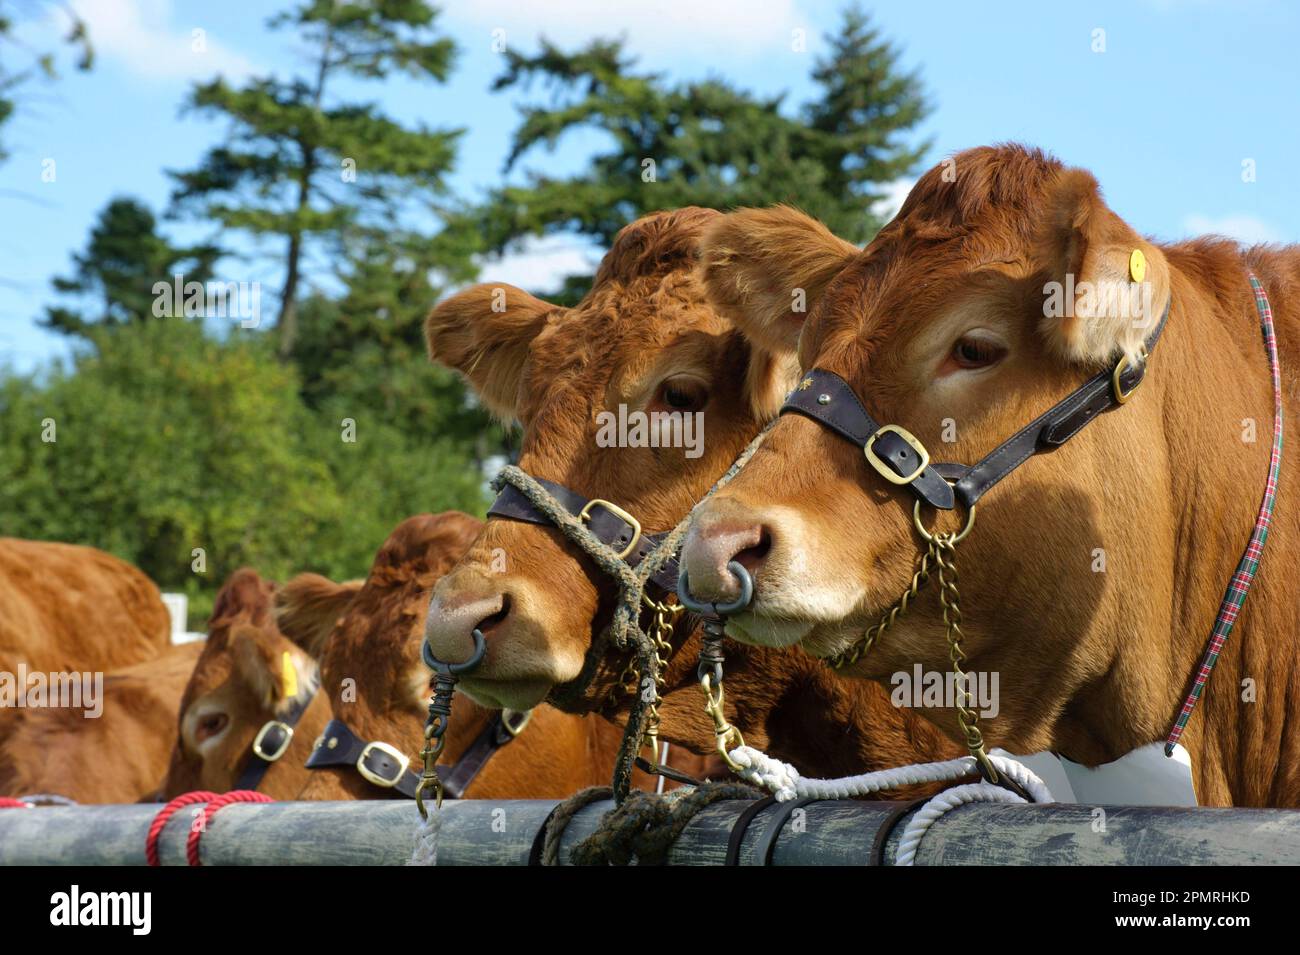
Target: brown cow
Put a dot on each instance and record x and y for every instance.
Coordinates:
(70, 608)
(948, 322)
(118, 755)
(644, 337)
(238, 685)
(378, 685)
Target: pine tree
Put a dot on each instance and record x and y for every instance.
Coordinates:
(706, 143)
(33, 64)
(303, 167)
(113, 279)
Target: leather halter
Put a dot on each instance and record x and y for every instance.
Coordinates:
(273, 739)
(901, 459)
(387, 767)
(610, 524)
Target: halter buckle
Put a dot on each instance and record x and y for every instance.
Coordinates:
(1117, 386)
(403, 763)
(259, 741)
(882, 468)
(585, 515)
(515, 721)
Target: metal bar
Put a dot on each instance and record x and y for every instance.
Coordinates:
(479, 832)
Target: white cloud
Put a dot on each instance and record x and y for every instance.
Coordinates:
(542, 263)
(1240, 226)
(712, 28)
(143, 37)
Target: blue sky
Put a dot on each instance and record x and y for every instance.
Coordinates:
(1184, 92)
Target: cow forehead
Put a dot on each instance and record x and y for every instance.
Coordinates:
(618, 335)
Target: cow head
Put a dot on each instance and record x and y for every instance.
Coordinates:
(643, 342)
(983, 303)
(248, 673)
(368, 637)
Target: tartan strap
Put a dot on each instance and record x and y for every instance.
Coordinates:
(1239, 586)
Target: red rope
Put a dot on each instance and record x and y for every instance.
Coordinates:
(210, 810)
(7, 803)
(164, 814)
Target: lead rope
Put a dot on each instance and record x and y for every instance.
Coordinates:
(1239, 586)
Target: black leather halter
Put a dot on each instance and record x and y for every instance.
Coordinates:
(272, 740)
(901, 459)
(387, 767)
(608, 522)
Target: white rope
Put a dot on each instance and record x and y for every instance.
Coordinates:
(786, 783)
(426, 839)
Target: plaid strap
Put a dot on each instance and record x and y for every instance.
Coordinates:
(1239, 586)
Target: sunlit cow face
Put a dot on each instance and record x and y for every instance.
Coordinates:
(644, 342)
(945, 324)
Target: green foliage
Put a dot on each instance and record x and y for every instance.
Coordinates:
(124, 258)
(299, 166)
(168, 439)
(37, 64)
(711, 144)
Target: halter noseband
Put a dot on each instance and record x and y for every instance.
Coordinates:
(608, 523)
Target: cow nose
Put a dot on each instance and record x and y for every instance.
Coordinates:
(449, 629)
(710, 551)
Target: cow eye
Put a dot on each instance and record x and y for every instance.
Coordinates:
(210, 725)
(972, 352)
(683, 393)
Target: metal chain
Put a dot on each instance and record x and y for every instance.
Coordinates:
(868, 639)
(943, 550)
(666, 616)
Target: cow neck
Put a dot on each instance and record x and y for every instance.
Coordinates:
(1234, 758)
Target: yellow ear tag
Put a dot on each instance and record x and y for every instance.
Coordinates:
(1137, 265)
(288, 676)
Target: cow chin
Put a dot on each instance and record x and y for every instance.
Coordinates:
(502, 695)
(766, 631)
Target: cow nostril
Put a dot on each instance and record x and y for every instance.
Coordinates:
(752, 556)
(488, 624)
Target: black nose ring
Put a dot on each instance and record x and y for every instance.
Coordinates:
(456, 669)
(718, 610)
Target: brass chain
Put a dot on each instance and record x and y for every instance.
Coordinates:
(940, 554)
(666, 616)
(943, 550)
(868, 639)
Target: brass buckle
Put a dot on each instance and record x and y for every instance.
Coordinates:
(885, 471)
(260, 738)
(585, 515)
(1121, 395)
(520, 720)
(403, 762)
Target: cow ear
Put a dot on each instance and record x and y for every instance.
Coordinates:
(765, 269)
(1107, 286)
(308, 608)
(257, 665)
(277, 675)
(484, 333)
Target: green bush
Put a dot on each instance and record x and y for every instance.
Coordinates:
(168, 439)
